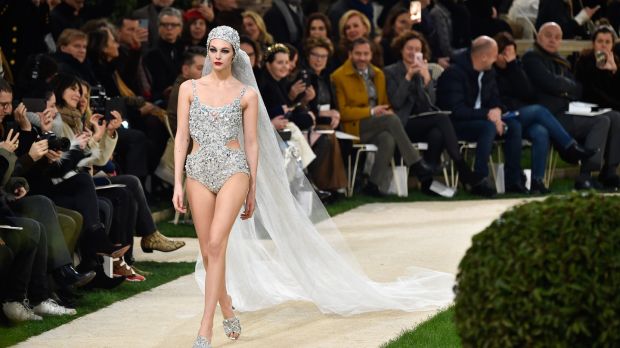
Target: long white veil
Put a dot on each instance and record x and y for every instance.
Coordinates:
(286, 252)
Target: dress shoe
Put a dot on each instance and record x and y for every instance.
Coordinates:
(422, 170)
(159, 242)
(610, 182)
(483, 189)
(575, 153)
(517, 188)
(68, 276)
(588, 184)
(537, 187)
(373, 190)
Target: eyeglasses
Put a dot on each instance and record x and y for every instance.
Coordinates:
(5, 105)
(319, 56)
(169, 25)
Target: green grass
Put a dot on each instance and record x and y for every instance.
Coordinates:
(437, 332)
(94, 300)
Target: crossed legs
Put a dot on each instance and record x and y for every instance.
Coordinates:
(214, 215)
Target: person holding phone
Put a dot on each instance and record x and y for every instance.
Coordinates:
(412, 94)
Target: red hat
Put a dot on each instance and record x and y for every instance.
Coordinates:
(193, 14)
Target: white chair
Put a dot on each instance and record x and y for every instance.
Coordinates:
(351, 175)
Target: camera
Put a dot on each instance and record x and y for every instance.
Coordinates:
(54, 143)
(97, 99)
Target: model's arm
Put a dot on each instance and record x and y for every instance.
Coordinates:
(181, 142)
(250, 140)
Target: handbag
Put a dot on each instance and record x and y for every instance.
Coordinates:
(398, 184)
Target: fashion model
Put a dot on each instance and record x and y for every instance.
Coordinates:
(283, 246)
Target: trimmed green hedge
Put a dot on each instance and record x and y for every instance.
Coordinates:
(545, 274)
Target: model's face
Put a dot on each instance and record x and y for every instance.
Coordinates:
(550, 38)
(604, 42)
(361, 55)
(111, 48)
(279, 68)
(411, 47)
(354, 28)
(318, 29)
(170, 28)
(72, 96)
(77, 49)
(198, 29)
(249, 50)
(402, 23)
(221, 54)
(317, 59)
(250, 28)
(6, 104)
(127, 31)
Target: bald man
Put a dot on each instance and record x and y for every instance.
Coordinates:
(468, 88)
(555, 88)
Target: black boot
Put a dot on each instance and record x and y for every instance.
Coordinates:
(575, 153)
(475, 183)
(537, 187)
(373, 190)
(68, 276)
(422, 171)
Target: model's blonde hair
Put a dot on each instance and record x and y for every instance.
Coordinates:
(264, 38)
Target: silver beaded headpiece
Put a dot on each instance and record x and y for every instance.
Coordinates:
(227, 34)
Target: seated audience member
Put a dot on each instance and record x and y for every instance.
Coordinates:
(143, 116)
(352, 26)
(411, 92)
(537, 123)
(132, 39)
(327, 170)
(71, 55)
(337, 10)
(195, 29)
(254, 52)
(452, 22)
(163, 60)
(555, 87)
(73, 13)
(285, 21)
(150, 13)
(318, 25)
(365, 112)
(398, 21)
(193, 63)
(468, 89)
(597, 70)
(283, 113)
(570, 15)
(254, 27)
(227, 12)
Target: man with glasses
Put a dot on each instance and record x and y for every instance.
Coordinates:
(163, 62)
(149, 18)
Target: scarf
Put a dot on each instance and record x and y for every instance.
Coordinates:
(71, 117)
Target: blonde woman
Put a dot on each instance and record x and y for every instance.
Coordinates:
(354, 25)
(254, 27)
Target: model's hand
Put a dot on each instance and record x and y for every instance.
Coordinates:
(177, 199)
(250, 203)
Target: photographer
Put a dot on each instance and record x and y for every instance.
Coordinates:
(597, 70)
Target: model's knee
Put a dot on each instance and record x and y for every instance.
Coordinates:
(215, 248)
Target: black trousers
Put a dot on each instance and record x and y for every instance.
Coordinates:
(132, 152)
(27, 275)
(437, 131)
(156, 137)
(42, 209)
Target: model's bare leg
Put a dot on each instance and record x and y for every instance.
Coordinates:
(228, 203)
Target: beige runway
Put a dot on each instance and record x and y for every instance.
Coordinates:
(386, 238)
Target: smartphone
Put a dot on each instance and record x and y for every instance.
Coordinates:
(415, 11)
(419, 57)
(113, 104)
(144, 23)
(34, 104)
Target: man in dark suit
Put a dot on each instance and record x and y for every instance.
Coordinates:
(285, 20)
(150, 12)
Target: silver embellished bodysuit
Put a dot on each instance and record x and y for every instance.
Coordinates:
(212, 129)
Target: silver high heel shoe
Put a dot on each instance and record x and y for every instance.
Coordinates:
(232, 325)
(201, 342)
